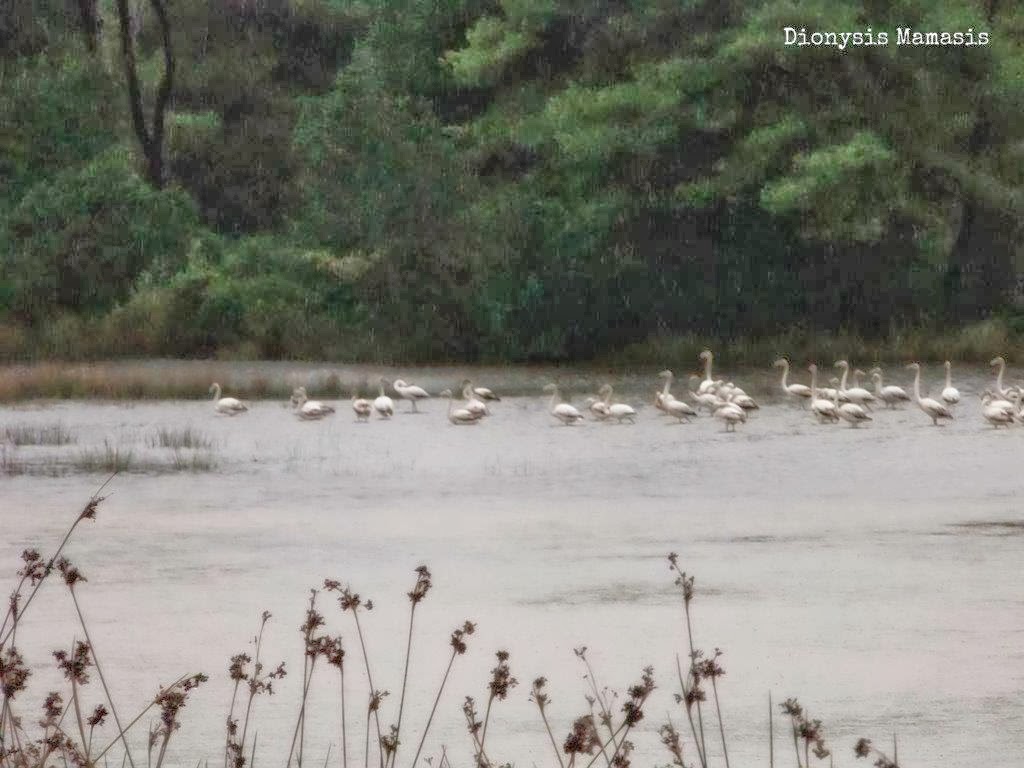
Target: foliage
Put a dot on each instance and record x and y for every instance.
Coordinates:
(510, 179)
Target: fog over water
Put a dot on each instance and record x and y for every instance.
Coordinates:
(873, 572)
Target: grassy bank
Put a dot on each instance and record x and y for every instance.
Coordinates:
(168, 379)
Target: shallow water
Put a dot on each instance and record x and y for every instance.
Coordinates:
(873, 572)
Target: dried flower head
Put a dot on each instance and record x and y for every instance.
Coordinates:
(537, 694)
(237, 670)
(637, 696)
(98, 716)
(673, 743)
(422, 586)
(69, 572)
(35, 569)
(14, 673)
(583, 737)
(863, 748)
(76, 663)
(89, 510)
(172, 700)
(501, 677)
(469, 710)
(458, 642)
(792, 708)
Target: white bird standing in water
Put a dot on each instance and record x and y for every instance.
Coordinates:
(459, 416)
(891, 395)
(362, 407)
(229, 406)
(384, 405)
(708, 384)
(933, 408)
(1001, 364)
(620, 411)
(598, 408)
(995, 411)
(825, 410)
(410, 392)
(309, 410)
(731, 414)
(486, 394)
(564, 412)
(950, 394)
(855, 394)
(852, 413)
(474, 404)
(800, 391)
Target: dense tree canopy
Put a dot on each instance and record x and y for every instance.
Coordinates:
(501, 179)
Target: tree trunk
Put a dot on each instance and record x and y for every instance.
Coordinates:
(151, 140)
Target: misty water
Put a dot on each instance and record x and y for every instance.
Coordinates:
(873, 572)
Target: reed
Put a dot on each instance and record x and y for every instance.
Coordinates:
(37, 434)
(179, 438)
(603, 733)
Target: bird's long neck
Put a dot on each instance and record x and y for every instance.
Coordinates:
(814, 383)
(380, 387)
(668, 383)
(554, 399)
(467, 391)
(707, 367)
(607, 397)
(842, 384)
(785, 374)
(917, 385)
(216, 391)
(999, 378)
(878, 383)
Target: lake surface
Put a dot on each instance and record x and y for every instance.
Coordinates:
(873, 573)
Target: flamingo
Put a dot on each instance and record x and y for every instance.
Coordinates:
(933, 408)
(891, 394)
(731, 414)
(384, 405)
(661, 398)
(229, 406)
(997, 412)
(707, 399)
(825, 410)
(857, 395)
(486, 394)
(362, 407)
(309, 410)
(793, 390)
(598, 408)
(620, 411)
(708, 384)
(473, 405)
(1001, 363)
(950, 394)
(459, 416)
(852, 413)
(411, 393)
(564, 412)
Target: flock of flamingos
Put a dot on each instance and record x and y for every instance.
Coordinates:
(1001, 406)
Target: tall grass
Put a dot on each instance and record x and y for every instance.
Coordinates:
(36, 434)
(179, 438)
(603, 733)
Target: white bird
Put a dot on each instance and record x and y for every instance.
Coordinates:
(226, 405)
(486, 394)
(309, 410)
(680, 410)
(950, 394)
(382, 404)
(891, 395)
(995, 411)
(738, 397)
(1001, 363)
(620, 411)
(794, 390)
(825, 410)
(707, 399)
(564, 412)
(660, 398)
(410, 392)
(362, 407)
(852, 413)
(473, 404)
(731, 414)
(708, 384)
(459, 416)
(933, 408)
(598, 408)
(856, 394)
